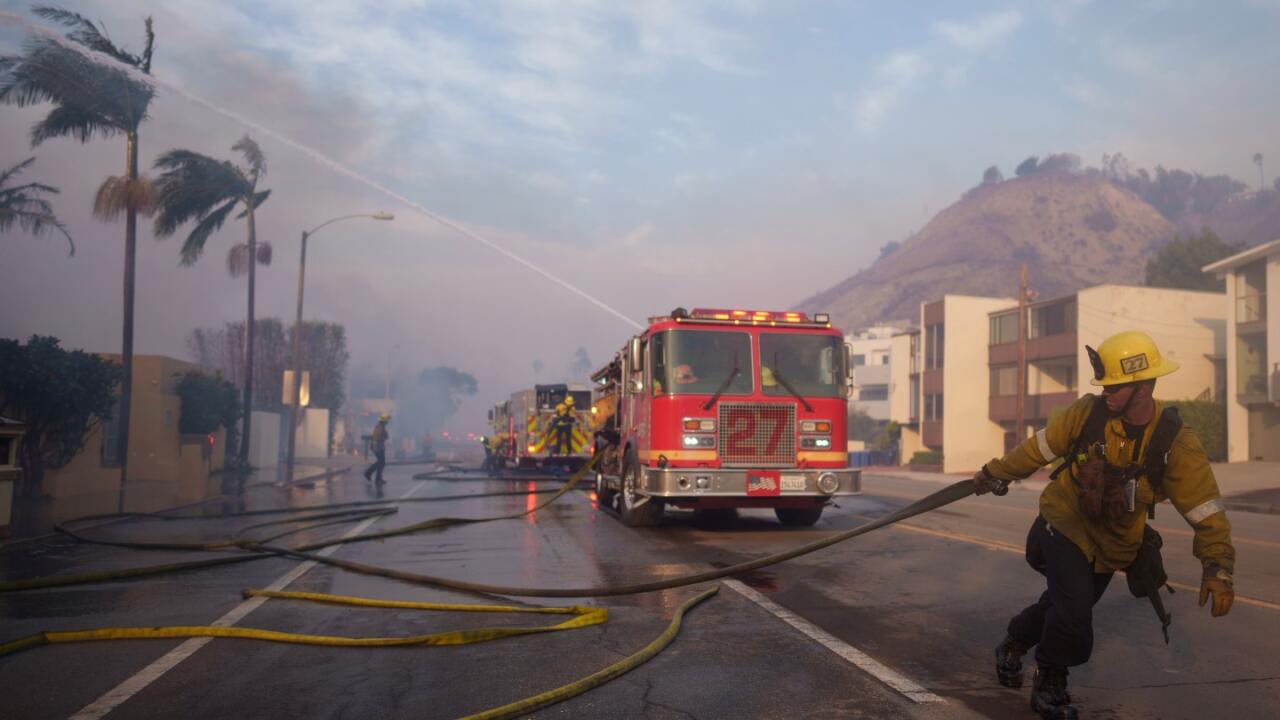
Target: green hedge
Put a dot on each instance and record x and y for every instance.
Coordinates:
(926, 457)
(1209, 421)
(208, 402)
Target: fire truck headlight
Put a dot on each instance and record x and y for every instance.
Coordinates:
(699, 441)
(822, 442)
(828, 483)
(691, 441)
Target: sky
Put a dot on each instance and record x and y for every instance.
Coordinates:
(727, 153)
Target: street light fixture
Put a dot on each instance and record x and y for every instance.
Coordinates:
(297, 331)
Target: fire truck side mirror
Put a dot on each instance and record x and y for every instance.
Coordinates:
(637, 355)
(636, 385)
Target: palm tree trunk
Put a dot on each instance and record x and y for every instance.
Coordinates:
(245, 436)
(126, 342)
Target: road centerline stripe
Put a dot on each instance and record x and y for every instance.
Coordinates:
(140, 680)
(909, 688)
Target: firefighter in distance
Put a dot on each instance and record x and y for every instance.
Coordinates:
(1124, 452)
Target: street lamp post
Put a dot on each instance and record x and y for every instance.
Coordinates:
(297, 334)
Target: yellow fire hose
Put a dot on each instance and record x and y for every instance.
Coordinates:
(585, 617)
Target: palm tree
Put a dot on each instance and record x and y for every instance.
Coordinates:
(200, 188)
(1262, 183)
(22, 205)
(93, 98)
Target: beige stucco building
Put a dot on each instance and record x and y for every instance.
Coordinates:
(166, 468)
(1252, 351)
(958, 394)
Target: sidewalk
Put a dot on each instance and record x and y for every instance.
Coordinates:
(1248, 486)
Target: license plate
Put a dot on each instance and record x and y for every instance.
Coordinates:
(793, 483)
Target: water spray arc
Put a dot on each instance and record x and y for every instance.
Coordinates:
(10, 18)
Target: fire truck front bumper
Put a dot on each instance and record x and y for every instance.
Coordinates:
(745, 482)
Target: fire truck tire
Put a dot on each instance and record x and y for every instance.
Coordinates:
(604, 494)
(634, 512)
(798, 517)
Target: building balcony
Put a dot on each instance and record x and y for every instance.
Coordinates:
(1036, 408)
(1062, 345)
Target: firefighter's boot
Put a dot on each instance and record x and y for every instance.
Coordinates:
(1049, 695)
(1009, 662)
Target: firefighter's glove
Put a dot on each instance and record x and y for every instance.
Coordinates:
(984, 482)
(1218, 583)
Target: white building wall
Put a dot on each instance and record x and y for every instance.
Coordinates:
(900, 379)
(1187, 326)
(969, 437)
(1273, 324)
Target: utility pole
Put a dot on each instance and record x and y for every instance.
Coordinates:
(1020, 412)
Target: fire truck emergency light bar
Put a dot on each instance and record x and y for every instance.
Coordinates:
(751, 317)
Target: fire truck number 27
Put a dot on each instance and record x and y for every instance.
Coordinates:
(741, 426)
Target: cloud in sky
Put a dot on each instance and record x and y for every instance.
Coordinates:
(980, 33)
(890, 80)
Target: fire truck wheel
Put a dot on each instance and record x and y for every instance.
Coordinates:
(636, 512)
(604, 495)
(798, 517)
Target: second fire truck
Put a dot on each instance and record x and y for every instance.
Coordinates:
(524, 427)
(714, 409)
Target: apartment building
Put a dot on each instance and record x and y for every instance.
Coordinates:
(1252, 351)
(869, 356)
(1189, 327)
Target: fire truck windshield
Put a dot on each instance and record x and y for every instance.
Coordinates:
(701, 362)
(812, 364)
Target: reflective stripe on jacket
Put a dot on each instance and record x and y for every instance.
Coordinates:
(1188, 484)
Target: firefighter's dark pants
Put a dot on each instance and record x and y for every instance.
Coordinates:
(379, 463)
(1060, 624)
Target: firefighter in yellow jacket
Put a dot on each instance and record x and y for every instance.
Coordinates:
(1093, 516)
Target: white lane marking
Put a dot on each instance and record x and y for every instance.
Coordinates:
(885, 674)
(149, 674)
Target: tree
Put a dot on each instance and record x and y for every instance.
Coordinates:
(1262, 183)
(992, 176)
(24, 206)
(888, 249)
(93, 98)
(208, 402)
(436, 397)
(325, 345)
(1027, 167)
(1177, 265)
(60, 395)
(195, 187)
(861, 425)
(580, 366)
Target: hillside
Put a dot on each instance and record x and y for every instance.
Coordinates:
(1071, 230)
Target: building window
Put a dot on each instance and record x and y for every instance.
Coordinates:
(933, 407)
(1251, 293)
(1004, 329)
(1004, 380)
(859, 360)
(884, 359)
(934, 340)
(873, 393)
(1055, 319)
(914, 410)
(1251, 367)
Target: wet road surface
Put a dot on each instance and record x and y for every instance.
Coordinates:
(925, 602)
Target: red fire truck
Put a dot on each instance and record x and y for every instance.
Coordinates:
(715, 409)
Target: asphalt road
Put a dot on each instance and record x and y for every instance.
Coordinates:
(896, 624)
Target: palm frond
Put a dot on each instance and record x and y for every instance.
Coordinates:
(22, 205)
(252, 155)
(118, 194)
(258, 199)
(89, 95)
(208, 225)
(84, 32)
(265, 253)
(191, 186)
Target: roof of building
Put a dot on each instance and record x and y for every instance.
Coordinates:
(1243, 258)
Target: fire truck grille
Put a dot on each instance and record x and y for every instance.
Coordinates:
(757, 434)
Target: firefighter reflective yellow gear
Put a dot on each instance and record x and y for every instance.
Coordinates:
(1217, 583)
(1113, 544)
(766, 377)
(384, 417)
(560, 408)
(1128, 357)
(568, 401)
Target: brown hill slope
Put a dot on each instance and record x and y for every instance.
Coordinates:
(1072, 231)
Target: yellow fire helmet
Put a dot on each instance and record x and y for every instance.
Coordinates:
(384, 417)
(568, 401)
(1127, 357)
(766, 377)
